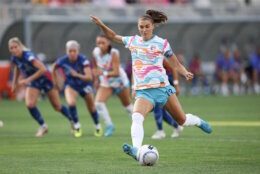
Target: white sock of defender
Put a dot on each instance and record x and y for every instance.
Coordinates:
(77, 125)
(97, 126)
(103, 112)
(129, 109)
(192, 120)
(137, 130)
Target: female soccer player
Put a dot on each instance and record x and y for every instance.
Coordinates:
(151, 83)
(161, 114)
(113, 79)
(37, 78)
(78, 81)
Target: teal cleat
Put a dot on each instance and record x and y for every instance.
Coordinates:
(129, 150)
(110, 129)
(205, 126)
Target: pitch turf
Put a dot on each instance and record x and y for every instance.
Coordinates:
(233, 147)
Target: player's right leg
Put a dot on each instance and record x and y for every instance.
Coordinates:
(71, 97)
(141, 108)
(102, 95)
(31, 97)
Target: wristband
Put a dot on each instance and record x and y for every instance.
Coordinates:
(105, 73)
(175, 82)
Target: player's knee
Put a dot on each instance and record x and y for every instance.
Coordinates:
(99, 105)
(30, 105)
(56, 107)
(181, 120)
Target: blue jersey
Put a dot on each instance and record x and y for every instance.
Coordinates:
(77, 66)
(224, 64)
(255, 62)
(25, 65)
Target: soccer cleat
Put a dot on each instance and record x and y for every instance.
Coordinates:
(159, 134)
(78, 133)
(129, 150)
(98, 132)
(42, 130)
(110, 129)
(205, 126)
(177, 132)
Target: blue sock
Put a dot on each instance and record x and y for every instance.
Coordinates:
(36, 115)
(158, 116)
(74, 114)
(168, 119)
(66, 112)
(95, 117)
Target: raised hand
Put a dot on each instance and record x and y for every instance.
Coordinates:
(96, 20)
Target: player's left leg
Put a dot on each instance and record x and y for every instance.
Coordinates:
(54, 98)
(169, 119)
(174, 108)
(89, 100)
(124, 96)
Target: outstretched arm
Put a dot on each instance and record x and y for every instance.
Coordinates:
(180, 68)
(107, 31)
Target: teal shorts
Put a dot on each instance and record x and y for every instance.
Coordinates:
(156, 95)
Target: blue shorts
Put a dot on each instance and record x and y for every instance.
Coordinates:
(156, 95)
(44, 83)
(82, 90)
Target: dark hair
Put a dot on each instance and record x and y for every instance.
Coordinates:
(109, 46)
(156, 17)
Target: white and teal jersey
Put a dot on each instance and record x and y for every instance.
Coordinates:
(147, 61)
(104, 63)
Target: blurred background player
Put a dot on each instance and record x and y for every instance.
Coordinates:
(112, 78)
(151, 82)
(78, 81)
(224, 64)
(255, 63)
(161, 113)
(37, 79)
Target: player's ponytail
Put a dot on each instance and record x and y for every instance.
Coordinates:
(156, 17)
(17, 41)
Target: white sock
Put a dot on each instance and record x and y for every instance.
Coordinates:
(192, 120)
(137, 130)
(98, 126)
(129, 109)
(103, 112)
(77, 125)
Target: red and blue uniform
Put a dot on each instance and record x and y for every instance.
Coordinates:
(25, 65)
(82, 87)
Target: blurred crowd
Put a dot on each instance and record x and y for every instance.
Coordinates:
(234, 73)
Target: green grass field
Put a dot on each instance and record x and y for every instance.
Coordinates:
(233, 147)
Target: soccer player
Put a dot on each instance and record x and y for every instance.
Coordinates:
(1, 123)
(78, 81)
(160, 113)
(112, 78)
(255, 63)
(37, 78)
(150, 79)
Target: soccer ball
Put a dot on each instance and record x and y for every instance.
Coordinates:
(147, 155)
